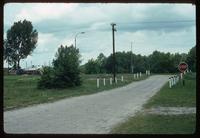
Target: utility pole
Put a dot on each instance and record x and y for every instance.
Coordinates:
(113, 34)
(131, 59)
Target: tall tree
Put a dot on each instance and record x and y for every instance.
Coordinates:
(191, 59)
(101, 60)
(92, 67)
(20, 42)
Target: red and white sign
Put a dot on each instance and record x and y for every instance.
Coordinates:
(182, 67)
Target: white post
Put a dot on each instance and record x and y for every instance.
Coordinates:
(122, 78)
(146, 72)
(170, 85)
(116, 80)
(110, 81)
(137, 75)
(97, 82)
(181, 76)
(140, 74)
(172, 81)
(104, 81)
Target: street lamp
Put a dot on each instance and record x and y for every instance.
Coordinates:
(77, 35)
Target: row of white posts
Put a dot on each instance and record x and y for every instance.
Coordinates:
(111, 79)
(173, 80)
(136, 76)
(147, 72)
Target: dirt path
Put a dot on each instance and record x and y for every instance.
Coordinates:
(95, 113)
(170, 110)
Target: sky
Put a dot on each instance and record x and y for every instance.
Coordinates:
(162, 27)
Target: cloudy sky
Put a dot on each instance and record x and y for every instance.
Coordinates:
(162, 27)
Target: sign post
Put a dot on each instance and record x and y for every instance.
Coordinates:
(182, 67)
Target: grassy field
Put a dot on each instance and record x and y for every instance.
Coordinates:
(21, 91)
(177, 96)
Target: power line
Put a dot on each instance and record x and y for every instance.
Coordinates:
(64, 29)
(176, 21)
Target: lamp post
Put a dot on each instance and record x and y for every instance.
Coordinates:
(76, 36)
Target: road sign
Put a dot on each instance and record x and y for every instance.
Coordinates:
(182, 67)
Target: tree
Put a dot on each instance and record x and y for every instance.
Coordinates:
(92, 67)
(65, 71)
(101, 61)
(191, 59)
(21, 41)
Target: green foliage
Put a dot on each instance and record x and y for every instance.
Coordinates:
(92, 67)
(191, 59)
(65, 71)
(157, 62)
(46, 79)
(101, 61)
(21, 41)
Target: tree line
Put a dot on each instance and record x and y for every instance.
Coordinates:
(157, 62)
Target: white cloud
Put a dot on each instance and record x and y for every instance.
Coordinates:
(42, 11)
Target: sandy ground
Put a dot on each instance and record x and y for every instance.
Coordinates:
(89, 114)
(171, 110)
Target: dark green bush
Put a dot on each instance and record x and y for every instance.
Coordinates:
(65, 71)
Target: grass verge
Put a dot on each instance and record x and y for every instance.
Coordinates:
(21, 91)
(177, 96)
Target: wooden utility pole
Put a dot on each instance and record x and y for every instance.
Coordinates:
(113, 34)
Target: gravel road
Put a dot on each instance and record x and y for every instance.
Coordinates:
(89, 114)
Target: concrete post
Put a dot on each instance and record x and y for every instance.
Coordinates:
(172, 81)
(104, 81)
(170, 85)
(140, 74)
(137, 75)
(122, 78)
(116, 80)
(110, 81)
(97, 82)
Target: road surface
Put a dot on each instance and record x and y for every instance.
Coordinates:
(89, 114)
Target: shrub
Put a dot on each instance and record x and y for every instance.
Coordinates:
(65, 71)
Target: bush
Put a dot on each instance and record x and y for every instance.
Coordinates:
(65, 71)
(46, 80)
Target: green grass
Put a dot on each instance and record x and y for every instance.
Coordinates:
(21, 91)
(177, 96)
(158, 124)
